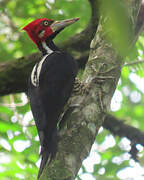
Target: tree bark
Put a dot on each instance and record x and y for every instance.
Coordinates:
(100, 78)
(90, 105)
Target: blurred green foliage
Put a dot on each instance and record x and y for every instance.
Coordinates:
(117, 25)
(19, 145)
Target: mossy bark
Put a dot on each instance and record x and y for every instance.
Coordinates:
(100, 79)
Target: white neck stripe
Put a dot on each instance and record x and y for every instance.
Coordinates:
(38, 66)
(48, 50)
(36, 71)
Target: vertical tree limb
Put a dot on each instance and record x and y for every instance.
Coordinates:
(100, 77)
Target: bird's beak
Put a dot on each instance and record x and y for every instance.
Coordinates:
(58, 25)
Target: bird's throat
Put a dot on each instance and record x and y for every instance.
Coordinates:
(47, 47)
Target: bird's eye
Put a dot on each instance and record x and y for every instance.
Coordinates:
(45, 23)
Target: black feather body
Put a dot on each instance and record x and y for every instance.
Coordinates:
(48, 98)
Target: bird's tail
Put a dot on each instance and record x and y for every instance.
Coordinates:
(48, 151)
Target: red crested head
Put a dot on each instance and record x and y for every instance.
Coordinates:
(41, 29)
(38, 30)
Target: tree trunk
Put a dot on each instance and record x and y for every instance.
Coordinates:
(100, 79)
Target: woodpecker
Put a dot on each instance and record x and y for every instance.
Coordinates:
(50, 83)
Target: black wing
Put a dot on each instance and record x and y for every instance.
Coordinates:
(48, 99)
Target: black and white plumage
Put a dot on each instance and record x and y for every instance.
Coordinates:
(50, 85)
(47, 99)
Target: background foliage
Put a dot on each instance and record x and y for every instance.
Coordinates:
(19, 145)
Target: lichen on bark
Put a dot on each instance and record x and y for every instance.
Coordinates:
(100, 78)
